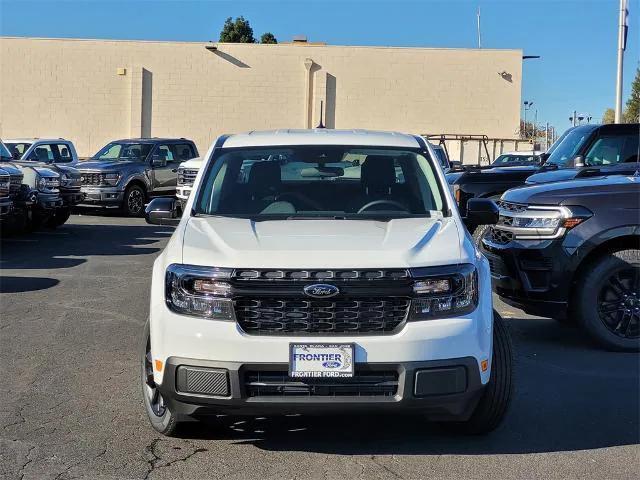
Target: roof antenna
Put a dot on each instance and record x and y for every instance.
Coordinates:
(321, 125)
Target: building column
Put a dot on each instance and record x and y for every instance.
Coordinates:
(141, 103)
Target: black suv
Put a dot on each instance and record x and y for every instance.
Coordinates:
(126, 173)
(571, 251)
(582, 151)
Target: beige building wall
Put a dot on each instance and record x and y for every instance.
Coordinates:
(93, 91)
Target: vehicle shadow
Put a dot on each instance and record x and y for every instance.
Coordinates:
(562, 403)
(69, 245)
(10, 284)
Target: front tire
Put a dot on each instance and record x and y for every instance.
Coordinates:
(607, 300)
(496, 397)
(162, 419)
(134, 200)
(59, 218)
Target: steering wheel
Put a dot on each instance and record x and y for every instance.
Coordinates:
(383, 202)
(300, 197)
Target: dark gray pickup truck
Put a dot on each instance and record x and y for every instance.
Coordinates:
(126, 173)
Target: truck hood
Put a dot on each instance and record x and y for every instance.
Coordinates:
(106, 166)
(564, 174)
(194, 163)
(243, 243)
(70, 171)
(567, 193)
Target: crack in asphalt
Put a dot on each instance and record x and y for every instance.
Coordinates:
(28, 461)
(386, 468)
(154, 462)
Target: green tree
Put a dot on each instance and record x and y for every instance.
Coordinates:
(632, 112)
(268, 37)
(237, 31)
(609, 116)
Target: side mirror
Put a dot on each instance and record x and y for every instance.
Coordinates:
(162, 211)
(578, 161)
(455, 163)
(542, 158)
(482, 211)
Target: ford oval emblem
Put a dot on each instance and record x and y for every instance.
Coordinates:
(331, 364)
(321, 290)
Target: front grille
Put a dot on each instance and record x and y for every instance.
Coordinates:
(16, 183)
(511, 207)
(498, 236)
(300, 315)
(186, 176)
(89, 178)
(279, 384)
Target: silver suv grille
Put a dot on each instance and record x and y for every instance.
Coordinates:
(186, 176)
(16, 183)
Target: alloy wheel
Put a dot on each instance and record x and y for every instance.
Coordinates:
(135, 201)
(619, 302)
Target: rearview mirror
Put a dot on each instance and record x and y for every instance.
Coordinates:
(482, 211)
(162, 211)
(542, 158)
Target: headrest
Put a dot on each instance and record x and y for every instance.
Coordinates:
(264, 178)
(42, 154)
(377, 174)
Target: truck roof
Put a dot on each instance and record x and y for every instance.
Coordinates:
(35, 139)
(322, 136)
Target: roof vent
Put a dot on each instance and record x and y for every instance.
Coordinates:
(299, 39)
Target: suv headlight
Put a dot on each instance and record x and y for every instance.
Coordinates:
(111, 179)
(539, 222)
(47, 183)
(199, 291)
(444, 291)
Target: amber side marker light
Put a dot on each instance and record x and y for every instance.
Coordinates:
(159, 365)
(572, 222)
(484, 365)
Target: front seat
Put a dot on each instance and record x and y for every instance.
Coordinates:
(263, 185)
(377, 178)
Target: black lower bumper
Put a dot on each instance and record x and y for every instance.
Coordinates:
(443, 390)
(6, 206)
(70, 199)
(535, 278)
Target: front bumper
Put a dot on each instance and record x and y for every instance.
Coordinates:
(6, 207)
(48, 203)
(101, 197)
(183, 192)
(534, 276)
(71, 197)
(441, 389)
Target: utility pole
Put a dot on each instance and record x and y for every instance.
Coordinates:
(622, 40)
(479, 35)
(546, 137)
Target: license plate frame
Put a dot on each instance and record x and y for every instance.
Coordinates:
(334, 371)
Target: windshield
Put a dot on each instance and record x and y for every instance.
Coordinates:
(320, 182)
(4, 153)
(568, 145)
(124, 151)
(511, 159)
(17, 149)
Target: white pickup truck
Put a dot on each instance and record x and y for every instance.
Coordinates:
(290, 286)
(187, 173)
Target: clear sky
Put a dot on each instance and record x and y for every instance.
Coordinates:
(577, 39)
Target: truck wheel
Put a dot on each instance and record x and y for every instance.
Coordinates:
(133, 202)
(607, 300)
(496, 397)
(60, 218)
(160, 416)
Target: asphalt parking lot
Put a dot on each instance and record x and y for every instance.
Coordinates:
(73, 303)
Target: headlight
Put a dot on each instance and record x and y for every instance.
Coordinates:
(5, 185)
(47, 183)
(199, 291)
(41, 183)
(444, 291)
(111, 178)
(538, 222)
(64, 179)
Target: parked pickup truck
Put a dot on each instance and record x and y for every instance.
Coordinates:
(571, 251)
(6, 204)
(187, 172)
(60, 156)
(334, 275)
(126, 173)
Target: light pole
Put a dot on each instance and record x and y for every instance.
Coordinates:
(527, 106)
